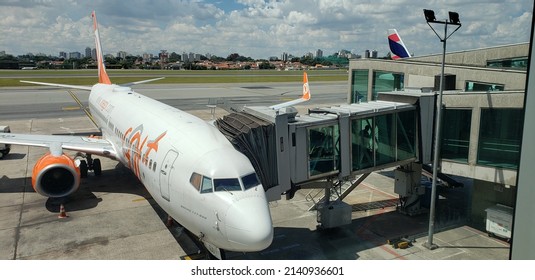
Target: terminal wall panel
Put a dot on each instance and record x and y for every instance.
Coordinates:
(523, 226)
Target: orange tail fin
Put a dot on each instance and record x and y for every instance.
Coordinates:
(102, 75)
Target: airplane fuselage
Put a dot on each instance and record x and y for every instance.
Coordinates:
(191, 170)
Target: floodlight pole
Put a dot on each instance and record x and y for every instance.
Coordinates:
(438, 123)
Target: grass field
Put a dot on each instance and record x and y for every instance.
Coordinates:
(11, 78)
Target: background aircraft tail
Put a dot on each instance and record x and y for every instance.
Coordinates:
(304, 97)
(102, 75)
(397, 47)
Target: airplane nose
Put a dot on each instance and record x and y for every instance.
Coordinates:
(249, 226)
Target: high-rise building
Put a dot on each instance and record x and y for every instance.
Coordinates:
(121, 54)
(319, 53)
(284, 56)
(63, 54)
(374, 54)
(75, 55)
(88, 52)
(94, 53)
(147, 57)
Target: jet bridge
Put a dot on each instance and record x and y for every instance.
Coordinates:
(325, 148)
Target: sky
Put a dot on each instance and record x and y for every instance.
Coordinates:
(256, 28)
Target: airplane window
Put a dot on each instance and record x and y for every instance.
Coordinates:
(250, 181)
(232, 184)
(154, 167)
(195, 180)
(206, 185)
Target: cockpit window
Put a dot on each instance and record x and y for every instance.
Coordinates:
(206, 185)
(232, 184)
(195, 180)
(250, 181)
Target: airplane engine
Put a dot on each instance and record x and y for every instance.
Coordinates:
(55, 176)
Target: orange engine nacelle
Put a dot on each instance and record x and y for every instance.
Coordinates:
(55, 176)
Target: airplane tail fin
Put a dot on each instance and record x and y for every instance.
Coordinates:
(397, 47)
(306, 90)
(305, 97)
(102, 75)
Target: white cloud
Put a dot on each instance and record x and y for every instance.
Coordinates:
(255, 28)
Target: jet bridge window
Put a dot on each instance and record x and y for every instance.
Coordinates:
(324, 149)
(363, 144)
(231, 184)
(383, 139)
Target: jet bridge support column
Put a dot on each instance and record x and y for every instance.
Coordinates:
(408, 186)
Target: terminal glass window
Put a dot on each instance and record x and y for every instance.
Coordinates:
(456, 124)
(406, 135)
(386, 82)
(384, 138)
(324, 149)
(478, 86)
(519, 62)
(359, 85)
(499, 137)
(362, 144)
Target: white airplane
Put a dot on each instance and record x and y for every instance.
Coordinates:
(191, 170)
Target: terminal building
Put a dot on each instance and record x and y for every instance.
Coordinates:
(483, 114)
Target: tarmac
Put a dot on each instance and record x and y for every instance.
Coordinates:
(113, 217)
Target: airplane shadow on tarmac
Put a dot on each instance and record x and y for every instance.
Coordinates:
(117, 180)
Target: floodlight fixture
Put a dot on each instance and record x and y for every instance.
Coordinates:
(454, 18)
(430, 15)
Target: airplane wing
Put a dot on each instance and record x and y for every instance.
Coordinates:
(303, 98)
(57, 85)
(88, 145)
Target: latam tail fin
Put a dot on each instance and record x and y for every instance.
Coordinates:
(397, 47)
(305, 97)
(102, 75)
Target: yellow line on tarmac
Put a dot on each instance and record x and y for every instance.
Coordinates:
(71, 108)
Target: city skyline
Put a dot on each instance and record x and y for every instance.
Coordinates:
(255, 28)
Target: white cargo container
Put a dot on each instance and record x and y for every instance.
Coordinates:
(499, 220)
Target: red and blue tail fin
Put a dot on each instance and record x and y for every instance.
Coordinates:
(102, 75)
(397, 47)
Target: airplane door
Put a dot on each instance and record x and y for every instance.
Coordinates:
(165, 173)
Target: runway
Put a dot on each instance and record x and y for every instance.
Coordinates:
(113, 217)
(38, 102)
